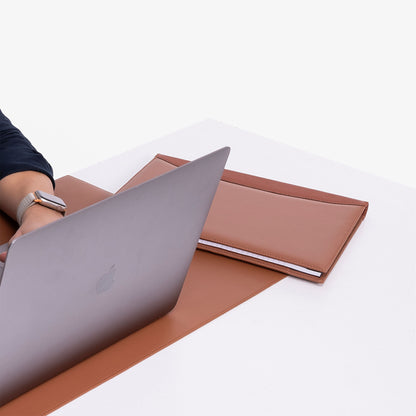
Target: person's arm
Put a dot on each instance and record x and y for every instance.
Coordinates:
(23, 170)
(17, 153)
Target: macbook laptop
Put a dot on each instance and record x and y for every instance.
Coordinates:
(77, 285)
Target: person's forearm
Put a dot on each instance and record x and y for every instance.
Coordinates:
(14, 187)
(23, 170)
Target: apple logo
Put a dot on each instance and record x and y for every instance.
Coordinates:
(106, 281)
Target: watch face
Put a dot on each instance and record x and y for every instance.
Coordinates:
(50, 198)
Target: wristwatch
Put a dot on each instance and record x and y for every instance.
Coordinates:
(41, 198)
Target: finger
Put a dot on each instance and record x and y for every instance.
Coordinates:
(3, 256)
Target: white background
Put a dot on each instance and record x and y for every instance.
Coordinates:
(85, 80)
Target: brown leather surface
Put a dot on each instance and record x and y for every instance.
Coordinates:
(78, 194)
(214, 284)
(7, 228)
(298, 225)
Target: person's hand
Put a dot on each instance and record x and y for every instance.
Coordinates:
(13, 188)
(35, 217)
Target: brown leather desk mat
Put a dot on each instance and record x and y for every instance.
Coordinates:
(214, 285)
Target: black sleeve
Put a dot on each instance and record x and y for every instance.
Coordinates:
(17, 154)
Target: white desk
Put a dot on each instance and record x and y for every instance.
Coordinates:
(346, 347)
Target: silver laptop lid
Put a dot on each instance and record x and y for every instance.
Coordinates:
(77, 285)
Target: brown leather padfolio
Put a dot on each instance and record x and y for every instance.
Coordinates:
(288, 228)
(214, 284)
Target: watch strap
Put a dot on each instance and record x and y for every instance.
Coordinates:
(24, 204)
